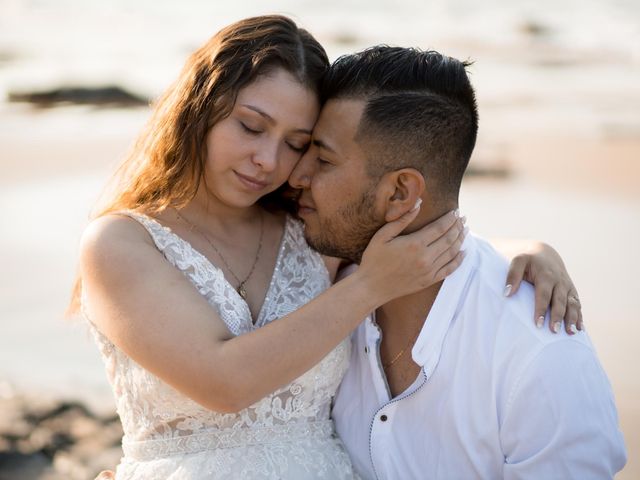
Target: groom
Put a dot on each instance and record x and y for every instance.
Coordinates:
(453, 382)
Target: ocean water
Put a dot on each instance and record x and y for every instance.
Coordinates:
(582, 56)
(142, 44)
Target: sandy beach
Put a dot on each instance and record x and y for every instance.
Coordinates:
(558, 159)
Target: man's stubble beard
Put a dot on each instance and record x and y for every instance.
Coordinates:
(348, 233)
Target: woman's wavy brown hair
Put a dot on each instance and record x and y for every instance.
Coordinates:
(166, 165)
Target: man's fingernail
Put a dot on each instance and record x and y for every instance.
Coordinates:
(573, 329)
(555, 327)
(540, 321)
(507, 290)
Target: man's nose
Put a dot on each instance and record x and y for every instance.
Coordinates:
(301, 175)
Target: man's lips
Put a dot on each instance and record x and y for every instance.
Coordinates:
(305, 208)
(252, 183)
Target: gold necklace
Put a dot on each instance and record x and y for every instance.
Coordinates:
(397, 357)
(242, 291)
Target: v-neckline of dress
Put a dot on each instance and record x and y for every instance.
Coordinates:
(254, 323)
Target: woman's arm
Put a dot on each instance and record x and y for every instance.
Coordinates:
(149, 309)
(540, 265)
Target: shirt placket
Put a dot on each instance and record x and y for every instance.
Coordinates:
(381, 439)
(380, 430)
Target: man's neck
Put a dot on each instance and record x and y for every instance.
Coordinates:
(405, 316)
(401, 322)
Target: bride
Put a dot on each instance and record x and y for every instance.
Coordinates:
(192, 257)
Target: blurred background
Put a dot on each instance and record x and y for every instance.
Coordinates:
(558, 159)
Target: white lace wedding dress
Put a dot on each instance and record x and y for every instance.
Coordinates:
(286, 435)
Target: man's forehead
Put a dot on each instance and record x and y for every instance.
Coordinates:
(338, 123)
(346, 110)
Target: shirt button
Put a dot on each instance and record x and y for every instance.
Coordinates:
(383, 418)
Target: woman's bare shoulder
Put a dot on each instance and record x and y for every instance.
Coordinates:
(114, 239)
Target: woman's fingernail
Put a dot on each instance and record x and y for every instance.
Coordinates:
(463, 220)
(456, 213)
(573, 329)
(507, 290)
(540, 321)
(555, 327)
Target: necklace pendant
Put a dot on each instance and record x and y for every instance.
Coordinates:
(242, 291)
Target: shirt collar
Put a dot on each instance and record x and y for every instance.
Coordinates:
(426, 351)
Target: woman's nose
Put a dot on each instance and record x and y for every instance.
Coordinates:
(267, 157)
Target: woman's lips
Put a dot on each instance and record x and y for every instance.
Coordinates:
(251, 183)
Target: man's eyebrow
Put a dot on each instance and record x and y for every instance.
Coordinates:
(319, 143)
(270, 119)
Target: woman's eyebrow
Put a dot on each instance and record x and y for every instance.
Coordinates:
(270, 119)
(261, 112)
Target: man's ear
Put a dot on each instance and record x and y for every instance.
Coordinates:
(399, 190)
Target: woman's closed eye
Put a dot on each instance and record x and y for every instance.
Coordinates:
(250, 130)
(298, 148)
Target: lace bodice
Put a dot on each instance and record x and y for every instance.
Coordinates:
(159, 421)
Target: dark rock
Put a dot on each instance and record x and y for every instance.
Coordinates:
(45, 441)
(55, 440)
(113, 96)
(56, 411)
(15, 466)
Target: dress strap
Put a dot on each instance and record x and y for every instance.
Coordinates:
(205, 276)
(158, 232)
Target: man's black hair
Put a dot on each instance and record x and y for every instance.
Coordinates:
(420, 111)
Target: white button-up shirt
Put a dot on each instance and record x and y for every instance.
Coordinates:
(496, 397)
